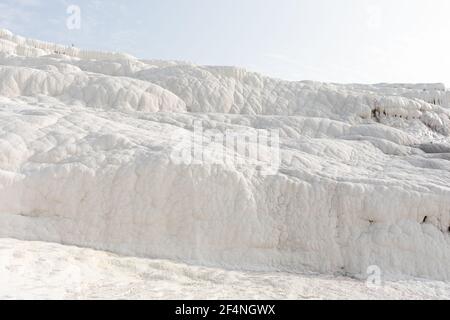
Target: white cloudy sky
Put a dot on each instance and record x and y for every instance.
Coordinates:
(327, 40)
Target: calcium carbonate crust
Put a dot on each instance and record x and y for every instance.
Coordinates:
(86, 140)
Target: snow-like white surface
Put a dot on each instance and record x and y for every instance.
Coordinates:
(33, 270)
(86, 145)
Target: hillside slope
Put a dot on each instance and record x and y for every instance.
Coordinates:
(93, 153)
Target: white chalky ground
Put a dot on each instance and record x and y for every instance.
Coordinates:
(108, 151)
(36, 270)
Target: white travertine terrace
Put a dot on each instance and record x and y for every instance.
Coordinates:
(86, 139)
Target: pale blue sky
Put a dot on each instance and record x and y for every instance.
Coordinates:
(326, 40)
